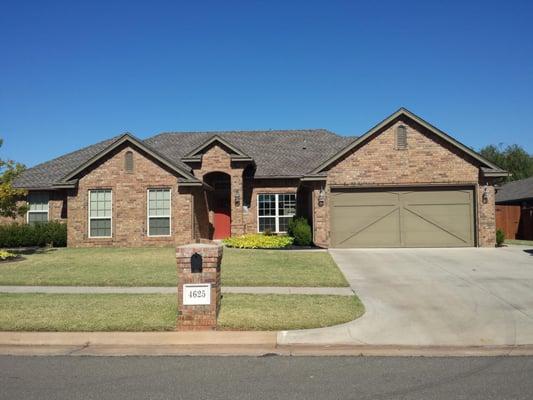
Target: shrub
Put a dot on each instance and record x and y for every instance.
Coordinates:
(21, 235)
(6, 255)
(500, 237)
(258, 241)
(300, 229)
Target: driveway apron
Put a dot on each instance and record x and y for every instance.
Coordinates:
(434, 297)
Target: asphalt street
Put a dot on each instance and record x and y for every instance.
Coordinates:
(265, 378)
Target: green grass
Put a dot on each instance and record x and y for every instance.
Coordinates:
(127, 312)
(280, 312)
(87, 312)
(519, 242)
(279, 268)
(93, 267)
(157, 267)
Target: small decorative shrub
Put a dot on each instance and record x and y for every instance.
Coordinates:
(258, 241)
(43, 234)
(6, 255)
(500, 237)
(300, 229)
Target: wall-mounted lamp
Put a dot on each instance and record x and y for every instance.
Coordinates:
(237, 197)
(321, 197)
(485, 195)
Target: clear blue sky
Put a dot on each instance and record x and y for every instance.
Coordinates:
(74, 74)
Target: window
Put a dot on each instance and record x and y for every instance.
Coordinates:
(128, 161)
(401, 137)
(275, 211)
(37, 207)
(158, 212)
(100, 213)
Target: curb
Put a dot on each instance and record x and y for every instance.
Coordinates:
(219, 343)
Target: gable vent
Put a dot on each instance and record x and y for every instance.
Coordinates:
(401, 137)
(128, 161)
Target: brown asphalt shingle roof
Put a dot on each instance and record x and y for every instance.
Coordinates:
(275, 152)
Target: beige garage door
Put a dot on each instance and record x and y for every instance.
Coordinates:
(424, 217)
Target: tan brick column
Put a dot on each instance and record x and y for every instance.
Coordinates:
(194, 313)
(237, 223)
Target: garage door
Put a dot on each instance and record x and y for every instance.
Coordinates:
(424, 217)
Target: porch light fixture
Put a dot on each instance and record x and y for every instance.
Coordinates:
(485, 195)
(237, 197)
(321, 197)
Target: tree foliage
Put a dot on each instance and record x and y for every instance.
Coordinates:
(9, 196)
(513, 159)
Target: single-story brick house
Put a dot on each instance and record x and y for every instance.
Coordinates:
(404, 183)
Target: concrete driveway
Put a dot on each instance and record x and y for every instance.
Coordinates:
(434, 297)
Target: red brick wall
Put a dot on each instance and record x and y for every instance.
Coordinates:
(427, 160)
(129, 224)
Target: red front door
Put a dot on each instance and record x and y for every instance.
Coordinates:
(222, 210)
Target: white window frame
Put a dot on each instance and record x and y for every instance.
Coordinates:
(169, 216)
(89, 215)
(276, 216)
(40, 211)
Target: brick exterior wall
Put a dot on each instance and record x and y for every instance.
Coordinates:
(259, 186)
(57, 208)
(427, 160)
(129, 222)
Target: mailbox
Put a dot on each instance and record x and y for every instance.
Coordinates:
(196, 263)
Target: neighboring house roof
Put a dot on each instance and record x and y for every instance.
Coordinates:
(492, 169)
(515, 191)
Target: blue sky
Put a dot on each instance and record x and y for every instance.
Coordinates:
(74, 74)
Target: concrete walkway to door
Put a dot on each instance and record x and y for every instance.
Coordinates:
(434, 297)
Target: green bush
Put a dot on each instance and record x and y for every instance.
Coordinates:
(500, 237)
(43, 234)
(300, 229)
(258, 241)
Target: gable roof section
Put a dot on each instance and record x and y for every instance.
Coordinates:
(196, 154)
(492, 170)
(276, 153)
(127, 137)
(515, 191)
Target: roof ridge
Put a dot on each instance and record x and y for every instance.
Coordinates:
(241, 131)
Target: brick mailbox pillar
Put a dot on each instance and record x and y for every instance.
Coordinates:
(198, 285)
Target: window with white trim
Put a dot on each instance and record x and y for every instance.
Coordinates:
(274, 211)
(100, 213)
(37, 207)
(159, 212)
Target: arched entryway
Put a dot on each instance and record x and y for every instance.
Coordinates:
(220, 203)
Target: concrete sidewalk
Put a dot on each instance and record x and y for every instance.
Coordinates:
(338, 291)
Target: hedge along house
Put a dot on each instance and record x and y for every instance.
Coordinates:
(404, 183)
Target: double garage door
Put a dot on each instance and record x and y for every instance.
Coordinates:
(422, 217)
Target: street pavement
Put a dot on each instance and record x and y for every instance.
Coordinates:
(271, 378)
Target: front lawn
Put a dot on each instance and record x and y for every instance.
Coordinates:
(127, 312)
(157, 267)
